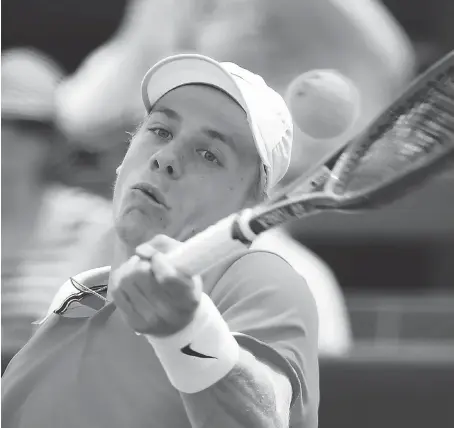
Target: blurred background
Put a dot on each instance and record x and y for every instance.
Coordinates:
(71, 72)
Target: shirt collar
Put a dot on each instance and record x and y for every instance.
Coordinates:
(68, 297)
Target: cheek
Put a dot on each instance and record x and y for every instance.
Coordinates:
(223, 194)
(135, 160)
(125, 178)
(139, 152)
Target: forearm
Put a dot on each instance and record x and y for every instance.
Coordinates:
(246, 397)
(221, 384)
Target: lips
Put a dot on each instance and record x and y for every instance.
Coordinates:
(153, 193)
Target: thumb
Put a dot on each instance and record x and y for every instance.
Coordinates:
(160, 243)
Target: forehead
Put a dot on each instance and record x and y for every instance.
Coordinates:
(210, 106)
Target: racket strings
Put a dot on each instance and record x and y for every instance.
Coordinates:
(423, 127)
(437, 112)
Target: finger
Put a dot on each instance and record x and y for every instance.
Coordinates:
(136, 311)
(164, 244)
(164, 271)
(175, 284)
(145, 281)
(157, 316)
(167, 277)
(134, 269)
(162, 291)
(146, 251)
(139, 303)
(124, 304)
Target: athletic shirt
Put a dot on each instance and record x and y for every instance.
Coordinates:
(85, 367)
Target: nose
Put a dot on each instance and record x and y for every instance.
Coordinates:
(167, 162)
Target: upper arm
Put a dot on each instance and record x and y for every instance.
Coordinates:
(273, 314)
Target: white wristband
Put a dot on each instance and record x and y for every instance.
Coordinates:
(201, 354)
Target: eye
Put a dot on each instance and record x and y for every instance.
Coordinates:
(209, 156)
(162, 133)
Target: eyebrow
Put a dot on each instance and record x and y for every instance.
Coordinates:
(171, 114)
(216, 135)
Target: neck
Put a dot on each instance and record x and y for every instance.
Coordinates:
(121, 254)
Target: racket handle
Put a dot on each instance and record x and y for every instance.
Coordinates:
(206, 249)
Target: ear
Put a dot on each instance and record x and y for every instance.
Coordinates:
(254, 196)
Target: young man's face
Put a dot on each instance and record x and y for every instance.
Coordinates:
(195, 154)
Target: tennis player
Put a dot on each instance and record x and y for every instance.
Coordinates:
(139, 344)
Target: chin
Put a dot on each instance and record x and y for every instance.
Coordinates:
(127, 236)
(133, 234)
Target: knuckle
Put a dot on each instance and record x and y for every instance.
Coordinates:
(149, 319)
(164, 243)
(158, 240)
(143, 268)
(146, 251)
(169, 279)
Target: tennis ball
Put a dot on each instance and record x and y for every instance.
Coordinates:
(324, 103)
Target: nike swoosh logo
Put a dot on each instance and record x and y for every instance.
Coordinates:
(187, 350)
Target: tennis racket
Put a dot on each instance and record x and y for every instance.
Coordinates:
(406, 145)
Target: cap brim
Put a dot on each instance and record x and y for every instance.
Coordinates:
(186, 69)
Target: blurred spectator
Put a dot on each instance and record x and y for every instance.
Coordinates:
(102, 99)
(98, 104)
(46, 227)
(282, 39)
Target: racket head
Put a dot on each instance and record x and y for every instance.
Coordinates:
(340, 192)
(404, 147)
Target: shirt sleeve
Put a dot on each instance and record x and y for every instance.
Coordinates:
(273, 314)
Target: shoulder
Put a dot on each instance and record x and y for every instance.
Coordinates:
(264, 282)
(296, 254)
(266, 266)
(319, 276)
(260, 264)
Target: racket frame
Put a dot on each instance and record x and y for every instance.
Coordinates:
(274, 214)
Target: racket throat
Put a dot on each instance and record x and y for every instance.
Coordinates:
(241, 230)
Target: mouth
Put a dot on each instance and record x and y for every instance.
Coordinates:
(152, 193)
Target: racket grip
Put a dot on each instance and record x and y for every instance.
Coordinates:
(206, 249)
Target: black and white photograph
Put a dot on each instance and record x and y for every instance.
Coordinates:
(227, 214)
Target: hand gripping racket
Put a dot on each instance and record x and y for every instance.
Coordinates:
(409, 143)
